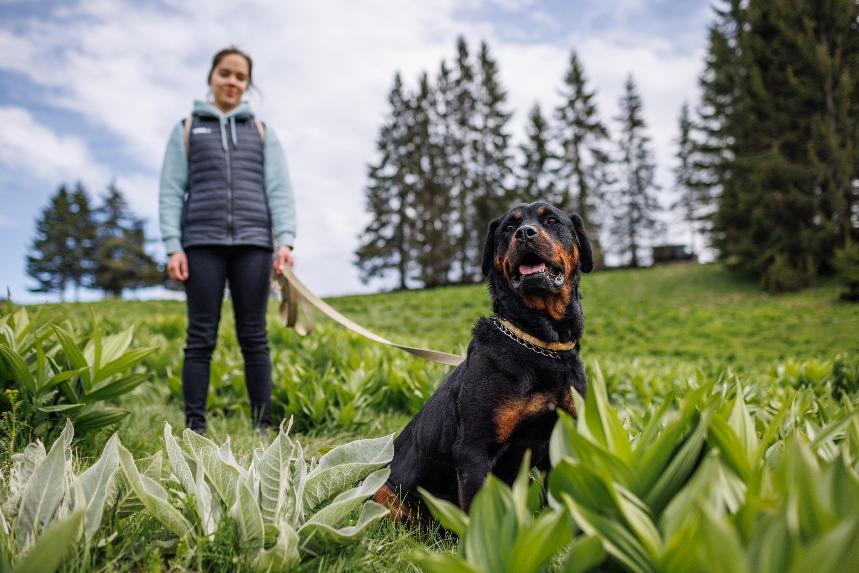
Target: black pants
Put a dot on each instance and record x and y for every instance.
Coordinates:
(247, 269)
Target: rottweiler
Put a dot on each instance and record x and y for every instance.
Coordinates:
(520, 368)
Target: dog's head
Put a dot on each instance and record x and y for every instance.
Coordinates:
(536, 251)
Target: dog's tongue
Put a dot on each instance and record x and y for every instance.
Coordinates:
(530, 270)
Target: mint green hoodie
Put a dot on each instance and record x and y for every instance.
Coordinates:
(174, 178)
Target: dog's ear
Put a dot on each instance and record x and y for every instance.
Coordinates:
(586, 256)
(489, 248)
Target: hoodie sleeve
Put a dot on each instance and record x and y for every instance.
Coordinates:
(278, 190)
(174, 177)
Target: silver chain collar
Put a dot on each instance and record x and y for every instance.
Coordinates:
(532, 347)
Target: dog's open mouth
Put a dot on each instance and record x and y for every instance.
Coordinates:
(532, 266)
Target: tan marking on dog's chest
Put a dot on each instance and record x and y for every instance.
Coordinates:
(514, 411)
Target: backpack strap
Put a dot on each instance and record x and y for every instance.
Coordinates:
(186, 123)
(260, 128)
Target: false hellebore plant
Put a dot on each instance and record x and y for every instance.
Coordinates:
(284, 508)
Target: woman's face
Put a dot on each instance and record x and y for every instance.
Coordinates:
(229, 81)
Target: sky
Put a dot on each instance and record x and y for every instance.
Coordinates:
(90, 90)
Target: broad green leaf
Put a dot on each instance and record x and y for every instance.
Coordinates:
(177, 461)
(320, 538)
(433, 562)
(448, 514)
(248, 518)
(74, 355)
(744, 427)
(639, 519)
(586, 554)
(492, 529)
(51, 548)
(114, 388)
(111, 348)
(18, 369)
(60, 407)
(601, 419)
(222, 474)
(344, 466)
(720, 545)
(99, 417)
(274, 477)
(345, 503)
(659, 450)
(519, 491)
(283, 555)
(584, 485)
(539, 541)
(120, 364)
(95, 482)
(722, 436)
(831, 552)
(616, 539)
(153, 496)
(44, 492)
(676, 474)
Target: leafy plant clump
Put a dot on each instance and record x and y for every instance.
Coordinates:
(283, 509)
(707, 482)
(47, 374)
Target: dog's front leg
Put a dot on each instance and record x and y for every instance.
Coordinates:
(473, 464)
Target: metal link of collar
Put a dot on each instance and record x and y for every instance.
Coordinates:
(532, 347)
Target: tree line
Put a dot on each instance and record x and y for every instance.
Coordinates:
(446, 167)
(82, 245)
(765, 168)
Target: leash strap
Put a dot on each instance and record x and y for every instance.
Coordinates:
(295, 312)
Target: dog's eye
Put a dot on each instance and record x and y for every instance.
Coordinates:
(551, 221)
(509, 228)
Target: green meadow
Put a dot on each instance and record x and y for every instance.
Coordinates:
(723, 379)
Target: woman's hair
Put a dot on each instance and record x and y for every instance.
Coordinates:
(227, 52)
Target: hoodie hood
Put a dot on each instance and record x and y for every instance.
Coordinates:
(206, 109)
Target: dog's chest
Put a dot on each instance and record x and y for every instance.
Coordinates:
(513, 412)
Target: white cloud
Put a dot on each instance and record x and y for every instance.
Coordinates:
(28, 146)
(324, 69)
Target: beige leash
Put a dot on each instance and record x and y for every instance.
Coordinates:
(295, 313)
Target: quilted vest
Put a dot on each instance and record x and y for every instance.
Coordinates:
(225, 203)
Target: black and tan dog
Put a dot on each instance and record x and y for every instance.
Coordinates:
(520, 367)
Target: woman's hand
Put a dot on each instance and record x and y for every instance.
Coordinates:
(282, 257)
(177, 266)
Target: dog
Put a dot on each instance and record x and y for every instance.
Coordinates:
(520, 367)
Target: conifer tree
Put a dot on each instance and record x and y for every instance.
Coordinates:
(50, 260)
(492, 159)
(536, 175)
(691, 202)
(583, 139)
(121, 260)
(83, 235)
(462, 151)
(634, 202)
(385, 242)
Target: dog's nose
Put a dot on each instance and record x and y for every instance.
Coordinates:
(526, 233)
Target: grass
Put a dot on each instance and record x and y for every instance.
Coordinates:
(648, 329)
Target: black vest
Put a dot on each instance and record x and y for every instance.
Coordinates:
(225, 203)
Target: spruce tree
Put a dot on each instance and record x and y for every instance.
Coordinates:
(536, 179)
(634, 202)
(50, 261)
(692, 201)
(583, 139)
(385, 242)
(121, 260)
(82, 239)
(462, 152)
(492, 159)
(432, 208)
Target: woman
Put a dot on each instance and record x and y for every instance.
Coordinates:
(224, 191)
